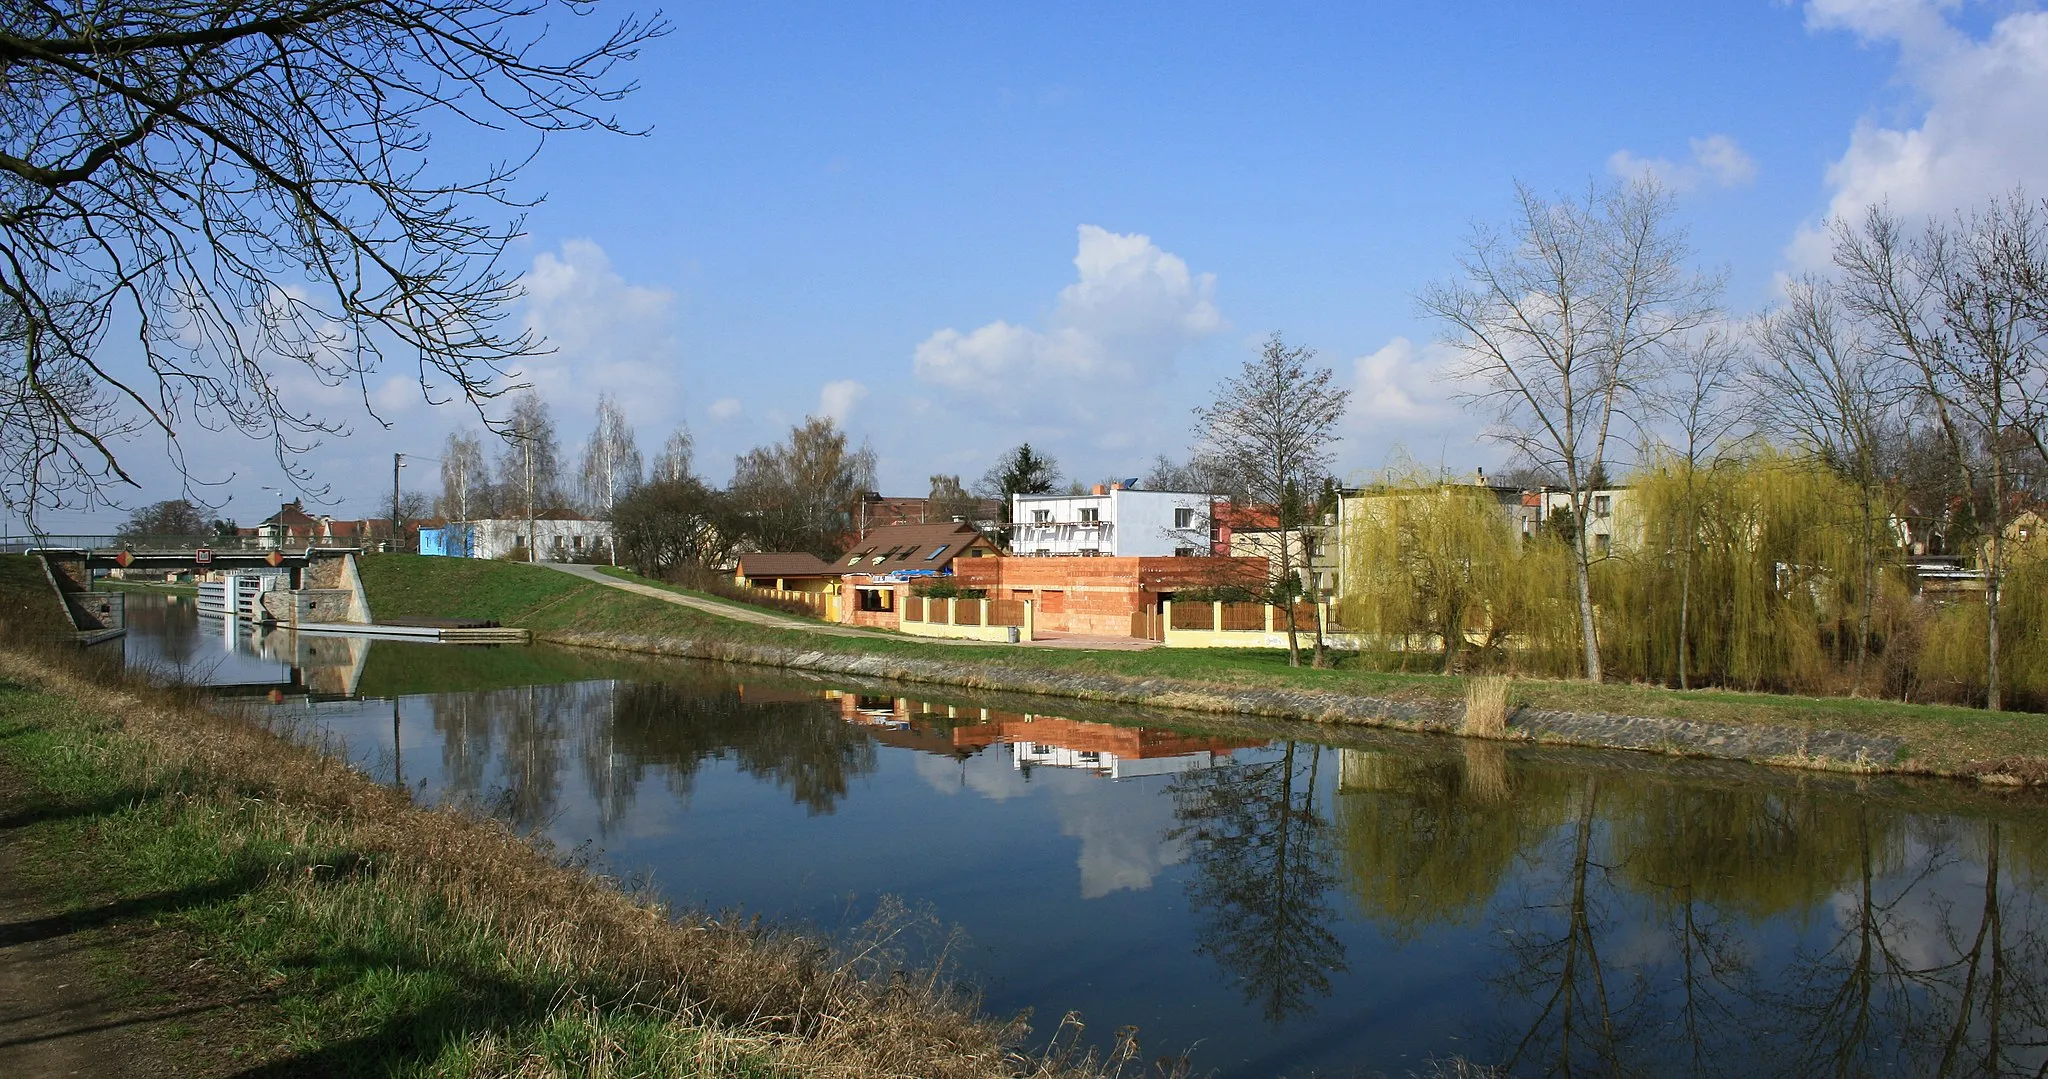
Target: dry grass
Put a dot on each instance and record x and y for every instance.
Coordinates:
(724, 992)
(1486, 706)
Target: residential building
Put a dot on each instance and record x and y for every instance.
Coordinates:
(1255, 532)
(880, 511)
(553, 536)
(1099, 596)
(1115, 521)
(787, 571)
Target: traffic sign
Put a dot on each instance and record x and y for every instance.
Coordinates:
(203, 556)
(123, 559)
(275, 558)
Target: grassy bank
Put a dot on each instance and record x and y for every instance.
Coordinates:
(108, 584)
(1940, 739)
(366, 935)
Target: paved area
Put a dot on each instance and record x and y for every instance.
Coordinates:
(764, 617)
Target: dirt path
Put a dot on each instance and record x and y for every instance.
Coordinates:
(61, 1013)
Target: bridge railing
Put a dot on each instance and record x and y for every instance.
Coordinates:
(166, 542)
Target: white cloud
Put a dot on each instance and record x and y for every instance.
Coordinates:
(1109, 346)
(1983, 106)
(836, 400)
(609, 336)
(725, 408)
(1716, 159)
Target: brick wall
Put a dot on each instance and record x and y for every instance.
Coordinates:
(1095, 596)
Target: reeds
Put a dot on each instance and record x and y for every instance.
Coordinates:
(1486, 706)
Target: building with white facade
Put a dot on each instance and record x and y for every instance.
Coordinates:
(560, 537)
(1111, 522)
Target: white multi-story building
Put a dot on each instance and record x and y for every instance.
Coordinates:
(1111, 522)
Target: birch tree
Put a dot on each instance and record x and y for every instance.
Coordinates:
(672, 464)
(465, 482)
(529, 466)
(1274, 426)
(611, 464)
(1560, 317)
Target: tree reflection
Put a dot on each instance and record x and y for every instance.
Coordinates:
(801, 745)
(1429, 840)
(1263, 865)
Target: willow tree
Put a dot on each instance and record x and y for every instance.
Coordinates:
(1441, 562)
(1695, 403)
(1561, 318)
(1773, 552)
(1821, 386)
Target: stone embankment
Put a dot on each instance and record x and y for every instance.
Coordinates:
(1771, 744)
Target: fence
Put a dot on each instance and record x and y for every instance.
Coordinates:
(820, 604)
(963, 612)
(1233, 625)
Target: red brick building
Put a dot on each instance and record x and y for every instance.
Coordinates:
(1098, 596)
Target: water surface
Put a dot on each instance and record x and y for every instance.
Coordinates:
(1278, 900)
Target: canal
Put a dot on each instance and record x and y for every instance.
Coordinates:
(1270, 899)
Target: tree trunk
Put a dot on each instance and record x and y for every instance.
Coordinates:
(1994, 574)
(1691, 540)
(1286, 584)
(1315, 598)
(1582, 571)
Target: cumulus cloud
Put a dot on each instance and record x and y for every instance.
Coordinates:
(1982, 105)
(1716, 159)
(609, 335)
(725, 408)
(1110, 343)
(837, 399)
(1403, 395)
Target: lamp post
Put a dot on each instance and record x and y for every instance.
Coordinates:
(397, 462)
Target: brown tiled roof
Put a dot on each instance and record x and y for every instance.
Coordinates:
(785, 564)
(910, 547)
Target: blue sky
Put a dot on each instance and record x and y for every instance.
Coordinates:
(955, 228)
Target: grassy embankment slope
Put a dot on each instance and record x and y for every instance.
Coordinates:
(309, 921)
(1940, 739)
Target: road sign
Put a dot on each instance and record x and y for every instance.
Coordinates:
(203, 556)
(123, 559)
(275, 558)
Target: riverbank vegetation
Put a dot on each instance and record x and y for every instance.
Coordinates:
(1752, 572)
(378, 937)
(1941, 739)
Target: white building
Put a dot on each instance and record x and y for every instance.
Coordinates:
(561, 537)
(1112, 522)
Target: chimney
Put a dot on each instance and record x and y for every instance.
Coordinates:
(1116, 486)
(1481, 471)
(1097, 490)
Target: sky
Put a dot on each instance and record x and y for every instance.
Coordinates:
(955, 228)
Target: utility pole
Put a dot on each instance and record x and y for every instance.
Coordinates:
(397, 462)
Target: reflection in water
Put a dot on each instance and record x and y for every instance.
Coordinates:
(1282, 906)
(1263, 861)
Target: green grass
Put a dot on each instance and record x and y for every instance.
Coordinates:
(364, 975)
(1940, 738)
(421, 586)
(399, 668)
(624, 574)
(26, 599)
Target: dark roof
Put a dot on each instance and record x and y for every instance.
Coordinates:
(785, 564)
(928, 546)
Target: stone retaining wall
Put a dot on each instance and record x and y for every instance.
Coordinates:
(1765, 743)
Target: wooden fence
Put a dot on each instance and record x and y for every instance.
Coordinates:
(963, 612)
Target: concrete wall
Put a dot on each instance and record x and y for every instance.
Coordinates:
(557, 539)
(308, 605)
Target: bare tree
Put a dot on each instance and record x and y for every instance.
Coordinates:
(1819, 384)
(1959, 306)
(1561, 318)
(465, 483)
(948, 499)
(672, 465)
(1695, 402)
(1273, 426)
(529, 467)
(249, 184)
(800, 495)
(611, 463)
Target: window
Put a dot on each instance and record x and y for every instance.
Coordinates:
(1183, 552)
(1183, 518)
(1091, 552)
(1039, 517)
(937, 551)
(1091, 515)
(1602, 542)
(1043, 552)
(1602, 505)
(579, 543)
(858, 555)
